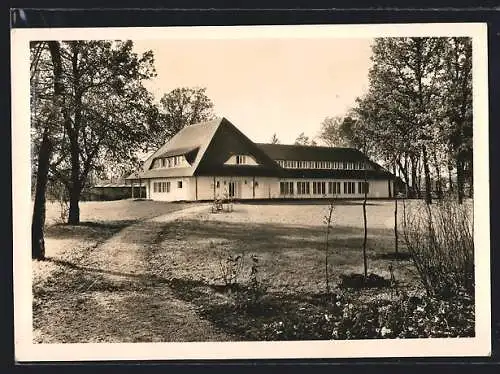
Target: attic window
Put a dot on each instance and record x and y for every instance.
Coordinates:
(240, 159)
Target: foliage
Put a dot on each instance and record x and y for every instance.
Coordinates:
(417, 113)
(179, 108)
(338, 132)
(302, 139)
(106, 111)
(345, 317)
(274, 139)
(441, 244)
(230, 268)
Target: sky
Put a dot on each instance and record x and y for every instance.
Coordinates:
(265, 86)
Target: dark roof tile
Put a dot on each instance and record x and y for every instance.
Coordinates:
(310, 153)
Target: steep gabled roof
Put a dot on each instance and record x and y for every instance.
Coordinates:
(191, 141)
(207, 146)
(228, 140)
(311, 153)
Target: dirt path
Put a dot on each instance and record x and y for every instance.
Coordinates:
(111, 294)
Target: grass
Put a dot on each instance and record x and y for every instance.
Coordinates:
(117, 210)
(160, 281)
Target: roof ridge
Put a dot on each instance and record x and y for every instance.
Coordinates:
(308, 146)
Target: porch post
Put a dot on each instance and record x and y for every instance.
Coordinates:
(196, 187)
(253, 186)
(214, 187)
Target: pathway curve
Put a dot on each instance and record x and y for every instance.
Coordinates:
(111, 295)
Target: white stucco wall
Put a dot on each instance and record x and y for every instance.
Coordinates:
(202, 188)
(264, 187)
(175, 193)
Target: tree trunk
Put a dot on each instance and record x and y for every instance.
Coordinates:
(460, 180)
(365, 261)
(450, 180)
(471, 179)
(427, 177)
(438, 176)
(395, 217)
(75, 188)
(38, 219)
(74, 208)
(414, 182)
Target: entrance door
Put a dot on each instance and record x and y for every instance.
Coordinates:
(233, 190)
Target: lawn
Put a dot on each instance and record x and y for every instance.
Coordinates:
(136, 282)
(68, 244)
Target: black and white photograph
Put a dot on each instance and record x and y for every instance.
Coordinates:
(251, 192)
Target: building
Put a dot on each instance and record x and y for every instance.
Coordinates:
(216, 160)
(115, 190)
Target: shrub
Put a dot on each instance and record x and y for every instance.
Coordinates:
(230, 267)
(358, 281)
(440, 241)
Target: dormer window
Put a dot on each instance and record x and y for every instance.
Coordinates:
(240, 159)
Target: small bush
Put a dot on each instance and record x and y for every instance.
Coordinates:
(440, 241)
(230, 268)
(358, 281)
(401, 317)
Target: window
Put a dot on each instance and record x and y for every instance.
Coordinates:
(303, 188)
(179, 184)
(334, 188)
(286, 188)
(319, 188)
(161, 187)
(240, 159)
(349, 187)
(218, 184)
(363, 187)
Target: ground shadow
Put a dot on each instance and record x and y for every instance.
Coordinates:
(273, 237)
(87, 230)
(399, 256)
(340, 202)
(142, 277)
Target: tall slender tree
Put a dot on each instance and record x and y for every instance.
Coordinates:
(45, 148)
(106, 111)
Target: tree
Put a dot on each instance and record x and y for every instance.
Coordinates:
(302, 139)
(106, 111)
(457, 108)
(274, 139)
(179, 108)
(337, 131)
(46, 144)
